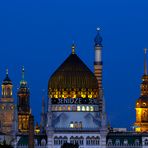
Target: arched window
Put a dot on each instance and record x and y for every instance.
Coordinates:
(146, 142)
(35, 142)
(60, 140)
(93, 139)
(81, 139)
(83, 108)
(72, 140)
(137, 142)
(117, 142)
(109, 142)
(76, 140)
(71, 124)
(97, 140)
(80, 124)
(56, 140)
(88, 140)
(43, 142)
(65, 139)
(76, 124)
(125, 142)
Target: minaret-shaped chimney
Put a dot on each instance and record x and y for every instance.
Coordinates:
(43, 116)
(98, 66)
(31, 132)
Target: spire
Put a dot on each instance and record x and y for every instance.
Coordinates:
(6, 71)
(43, 115)
(98, 38)
(73, 48)
(145, 61)
(23, 77)
(23, 73)
(43, 103)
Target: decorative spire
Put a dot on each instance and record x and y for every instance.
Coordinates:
(23, 76)
(23, 73)
(73, 48)
(145, 61)
(98, 38)
(6, 71)
(43, 103)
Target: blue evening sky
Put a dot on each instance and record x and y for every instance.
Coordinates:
(38, 34)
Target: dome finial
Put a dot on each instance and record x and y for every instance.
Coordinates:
(23, 72)
(6, 71)
(23, 82)
(98, 38)
(73, 47)
(145, 61)
(98, 29)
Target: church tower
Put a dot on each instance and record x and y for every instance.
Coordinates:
(141, 124)
(23, 96)
(6, 106)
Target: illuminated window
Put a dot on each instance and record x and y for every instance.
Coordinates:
(89, 96)
(3, 107)
(83, 95)
(68, 108)
(87, 108)
(55, 96)
(71, 125)
(78, 108)
(60, 108)
(83, 108)
(91, 108)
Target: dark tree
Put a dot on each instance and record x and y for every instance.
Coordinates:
(5, 145)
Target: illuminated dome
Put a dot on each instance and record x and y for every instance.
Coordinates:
(72, 76)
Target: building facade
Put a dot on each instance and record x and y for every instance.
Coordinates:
(76, 109)
(73, 103)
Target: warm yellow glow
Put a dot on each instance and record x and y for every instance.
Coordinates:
(71, 125)
(78, 108)
(91, 108)
(37, 131)
(83, 108)
(137, 129)
(90, 96)
(69, 108)
(87, 108)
